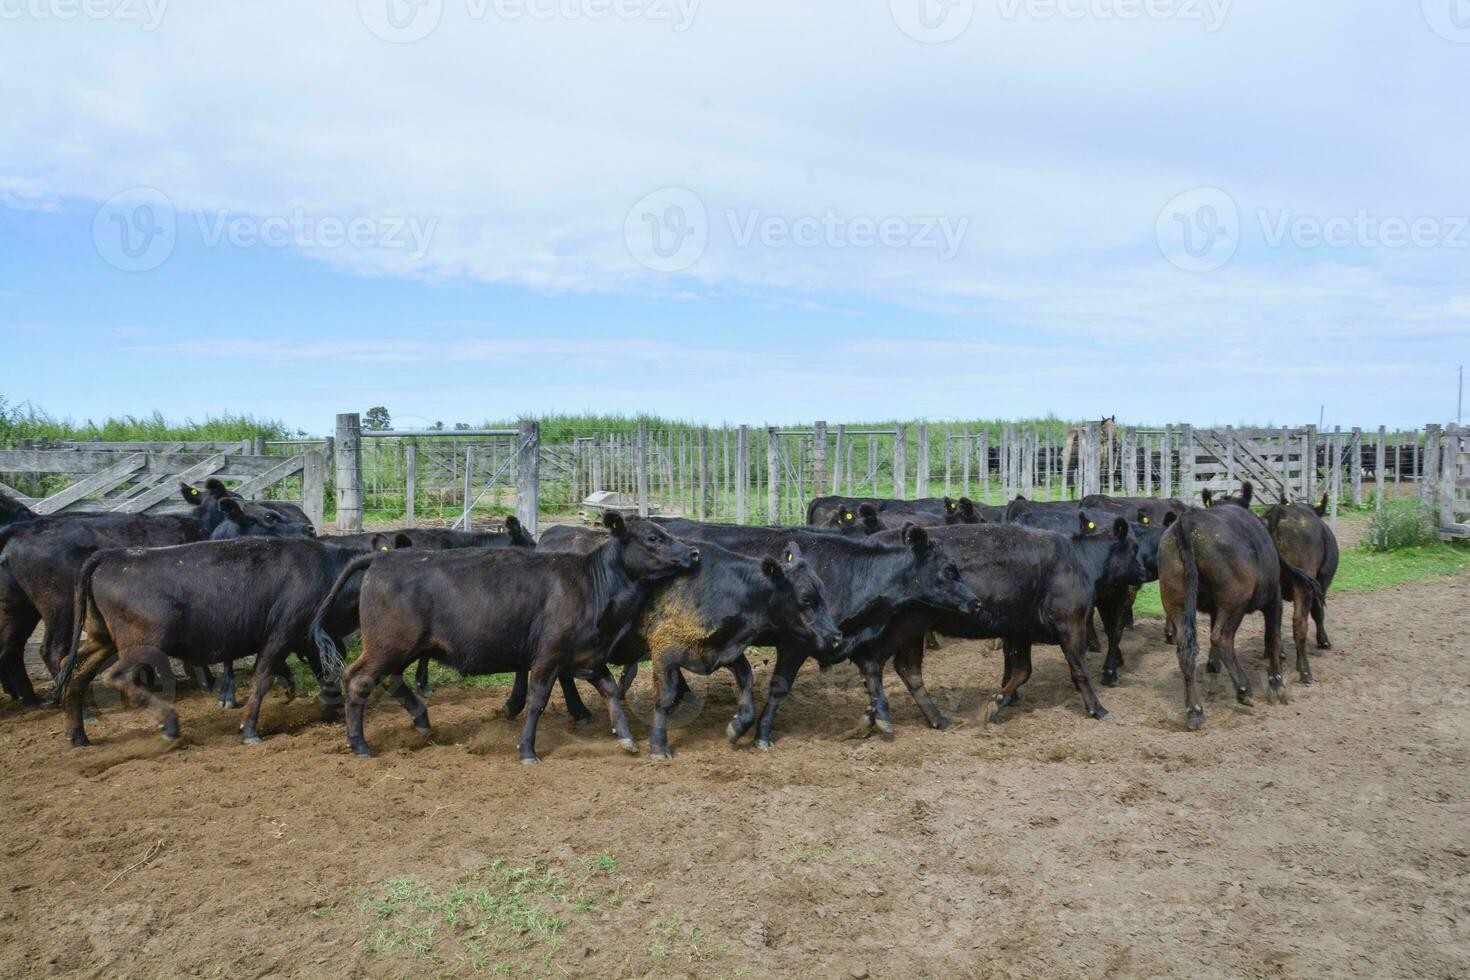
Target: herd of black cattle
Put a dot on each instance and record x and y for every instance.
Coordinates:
(865, 580)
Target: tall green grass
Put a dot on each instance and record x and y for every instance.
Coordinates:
(26, 421)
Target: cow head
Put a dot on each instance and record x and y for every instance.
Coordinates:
(1123, 565)
(964, 513)
(846, 520)
(1148, 535)
(519, 536)
(798, 603)
(13, 511)
(243, 519)
(1321, 508)
(868, 516)
(648, 551)
(940, 584)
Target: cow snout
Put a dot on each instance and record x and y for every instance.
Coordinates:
(693, 556)
(975, 607)
(834, 641)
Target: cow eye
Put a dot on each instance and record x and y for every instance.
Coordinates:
(952, 572)
(810, 601)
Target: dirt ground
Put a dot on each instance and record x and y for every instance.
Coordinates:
(1327, 837)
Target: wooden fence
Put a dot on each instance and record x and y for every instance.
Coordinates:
(144, 477)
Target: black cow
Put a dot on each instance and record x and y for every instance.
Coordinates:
(1222, 560)
(868, 582)
(487, 611)
(514, 535)
(1034, 586)
(41, 558)
(927, 511)
(281, 508)
(707, 620)
(203, 603)
(1153, 511)
(12, 511)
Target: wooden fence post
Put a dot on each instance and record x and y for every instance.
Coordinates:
(313, 488)
(528, 476)
(837, 459)
(819, 457)
(1309, 464)
(742, 473)
(1449, 470)
(1186, 463)
(410, 481)
(1356, 462)
(1429, 492)
(704, 481)
(1334, 482)
(1166, 463)
(966, 443)
(1380, 460)
(469, 485)
(642, 451)
(900, 460)
(1087, 470)
(985, 464)
(349, 472)
(773, 477)
(921, 471)
(1130, 462)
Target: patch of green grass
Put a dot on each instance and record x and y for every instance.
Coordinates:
(497, 918)
(675, 936)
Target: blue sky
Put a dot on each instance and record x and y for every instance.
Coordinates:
(1180, 210)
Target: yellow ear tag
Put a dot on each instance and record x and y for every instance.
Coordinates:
(788, 556)
(1145, 520)
(951, 506)
(847, 517)
(384, 548)
(1091, 526)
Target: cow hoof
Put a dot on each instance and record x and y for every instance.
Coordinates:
(1110, 678)
(732, 733)
(989, 710)
(79, 740)
(764, 744)
(1305, 678)
(944, 724)
(1196, 719)
(1100, 714)
(425, 691)
(885, 730)
(1276, 692)
(360, 749)
(664, 756)
(628, 745)
(330, 712)
(251, 740)
(1324, 644)
(530, 760)
(581, 722)
(1213, 666)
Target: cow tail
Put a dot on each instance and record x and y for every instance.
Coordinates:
(1303, 579)
(82, 602)
(1188, 636)
(5, 534)
(326, 647)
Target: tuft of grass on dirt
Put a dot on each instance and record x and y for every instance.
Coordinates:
(499, 917)
(675, 937)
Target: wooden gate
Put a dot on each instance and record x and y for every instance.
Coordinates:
(1273, 459)
(1454, 484)
(137, 478)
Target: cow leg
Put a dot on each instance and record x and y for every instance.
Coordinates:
(226, 689)
(1188, 653)
(421, 678)
(1319, 616)
(1128, 607)
(878, 714)
(931, 640)
(1301, 611)
(1275, 685)
(17, 622)
(360, 681)
(745, 710)
(410, 701)
(1222, 650)
(264, 677)
(575, 706)
(330, 694)
(1169, 634)
(625, 679)
(538, 694)
(123, 679)
(909, 663)
(203, 678)
(1094, 645)
(666, 676)
(93, 653)
(1074, 648)
(1111, 611)
(782, 678)
(1018, 672)
(516, 699)
(602, 679)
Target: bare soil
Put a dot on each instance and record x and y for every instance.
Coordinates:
(1330, 836)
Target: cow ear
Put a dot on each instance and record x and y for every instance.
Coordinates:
(614, 522)
(1321, 508)
(1170, 517)
(967, 507)
(401, 540)
(916, 538)
(190, 494)
(216, 487)
(951, 504)
(1143, 516)
(772, 568)
(1120, 528)
(1247, 491)
(1206, 494)
(232, 509)
(1085, 523)
(512, 524)
(793, 552)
